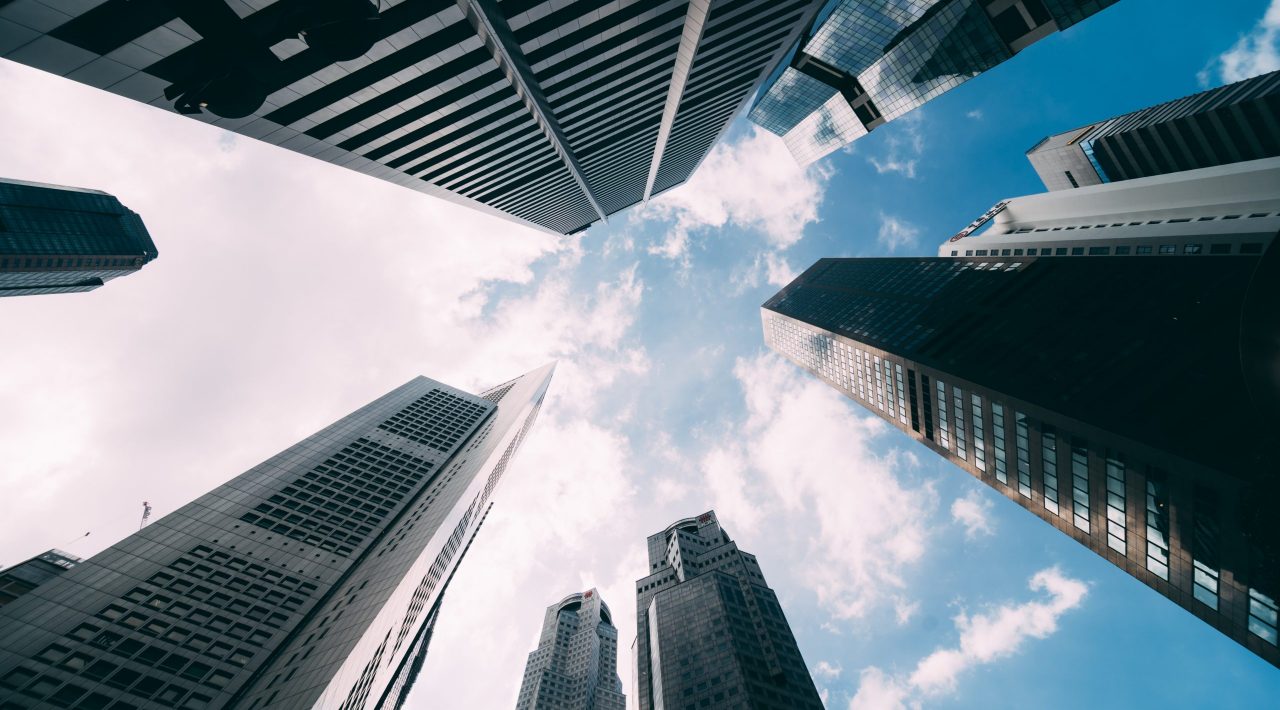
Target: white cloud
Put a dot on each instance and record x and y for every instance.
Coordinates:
(973, 511)
(752, 183)
(904, 145)
(975, 114)
(896, 233)
(800, 445)
(1257, 52)
(904, 610)
(827, 671)
(984, 638)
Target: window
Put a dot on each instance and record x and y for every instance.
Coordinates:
(1018, 252)
(1099, 251)
(1077, 251)
(1080, 484)
(1060, 251)
(1157, 526)
(1168, 249)
(1251, 248)
(1122, 251)
(979, 437)
(982, 252)
(1006, 252)
(1117, 530)
(1205, 584)
(997, 433)
(1024, 455)
(944, 429)
(1190, 248)
(1219, 248)
(1144, 249)
(1262, 616)
(1204, 546)
(1072, 179)
(957, 400)
(1049, 465)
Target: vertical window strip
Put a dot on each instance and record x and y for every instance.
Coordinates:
(857, 371)
(913, 395)
(997, 435)
(1204, 548)
(1262, 616)
(944, 429)
(888, 388)
(979, 433)
(1049, 464)
(1158, 529)
(902, 394)
(1080, 484)
(957, 402)
(1205, 584)
(879, 383)
(1117, 529)
(1024, 454)
(927, 400)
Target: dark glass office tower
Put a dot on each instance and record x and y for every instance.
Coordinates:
(25, 576)
(864, 62)
(710, 631)
(57, 239)
(575, 666)
(1118, 381)
(552, 113)
(312, 580)
(1229, 124)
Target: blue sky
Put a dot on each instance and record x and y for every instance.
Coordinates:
(289, 292)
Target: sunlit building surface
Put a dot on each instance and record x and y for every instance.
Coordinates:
(861, 63)
(1229, 124)
(575, 666)
(710, 631)
(1105, 357)
(312, 580)
(56, 239)
(552, 113)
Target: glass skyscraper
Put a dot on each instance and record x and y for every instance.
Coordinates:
(1229, 124)
(552, 113)
(861, 63)
(710, 631)
(25, 576)
(312, 580)
(56, 239)
(575, 666)
(1105, 357)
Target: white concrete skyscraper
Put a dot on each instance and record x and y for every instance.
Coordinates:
(575, 666)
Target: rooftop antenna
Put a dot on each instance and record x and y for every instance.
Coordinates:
(75, 540)
(146, 513)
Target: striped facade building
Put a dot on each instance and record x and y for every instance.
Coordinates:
(554, 114)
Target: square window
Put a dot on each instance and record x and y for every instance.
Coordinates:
(1060, 251)
(1077, 251)
(1144, 249)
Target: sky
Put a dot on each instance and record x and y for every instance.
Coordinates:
(289, 292)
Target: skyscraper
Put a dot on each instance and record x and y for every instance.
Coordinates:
(862, 63)
(710, 631)
(1229, 124)
(555, 114)
(311, 580)
(25, 576)
(1106, 359)
(57, 239)
(575, 666)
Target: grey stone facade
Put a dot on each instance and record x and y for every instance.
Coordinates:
(575, 666)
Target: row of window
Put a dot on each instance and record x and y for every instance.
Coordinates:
(1123, 250)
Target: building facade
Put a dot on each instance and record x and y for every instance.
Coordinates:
(312, 580)
(710, 631)
(575, 666)
(1124, 394)
(1229, 124)
(862, 63)
(56, 239)
(25, 576)
(553, 114)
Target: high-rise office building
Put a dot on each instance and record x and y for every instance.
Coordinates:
(552, 113)
(575, 666)
(25, 576)
(861, 63)
(710, 631)
(57, 239)
(1229, 124)
(1105, 357)
(311, 580)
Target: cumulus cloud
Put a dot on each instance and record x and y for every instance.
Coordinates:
(802, 444)
(973, 511)
(1254, 53)
(975, 114)
(896, 233)
(827, 671)
(984, 638)
(752, 183)
(904, 144)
